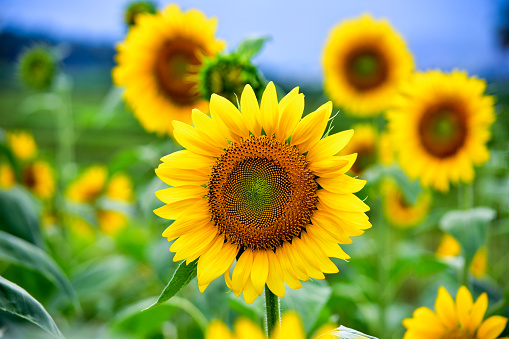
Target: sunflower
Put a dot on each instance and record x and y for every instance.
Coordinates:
(120, 188)
(449, 247)
(158, 62)
(7, 177)
(110, 221)
(399, 211)
(291, 327)
(385, 149)
(262, 186)
(440, 125)
(89, 185)
(364, 62)
(22, 145)
(364, 143)
(38, 178)
(451, 320)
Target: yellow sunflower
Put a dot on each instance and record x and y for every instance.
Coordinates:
(22, 145)
(38, 178)
(291, 327)
(110, 221)
(158, 63)
(364, 143)
(262, 186)
(463, 319)
(386, 149)
(364, 62)
(120, 188)
(89, 185)
(441, 125)
(7, 177)
(398, 211)
(449, 247)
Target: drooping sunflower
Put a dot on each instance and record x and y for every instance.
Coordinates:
(38, 177)
(158, 62)
(441, 125)
(260, 185)
(22, 144)
(449, 247)
(364, 143)
(399, 211)
(291, 327)
(364, 62)
(463, 319)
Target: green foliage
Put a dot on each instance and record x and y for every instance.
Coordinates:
(17, 301)
(250, 47)
(38, 67)
(182, 276)
(20, 252)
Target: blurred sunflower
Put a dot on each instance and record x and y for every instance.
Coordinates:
(89, 185)
(158, 63)
(463, 319)
(120, 188)
(291, 327)
(38, 178)
(111, 221)
(364, 143)
(22, 144)
(262, 186)
(450, 247)
(364, 62)
(385, 149)
(7, 177)
(441, 125)
(398, 211)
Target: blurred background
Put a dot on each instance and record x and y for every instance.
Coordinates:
(115, 275)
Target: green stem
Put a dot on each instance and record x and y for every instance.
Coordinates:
(385, 245)
(271, 310)
(466, 201)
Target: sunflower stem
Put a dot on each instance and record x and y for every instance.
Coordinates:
(466, 201)
(271, 310)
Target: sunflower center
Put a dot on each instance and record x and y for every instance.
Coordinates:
(459, 333)
(174, 70)
(261, 193)
(365, 69)
(443, 130)
(29, 177)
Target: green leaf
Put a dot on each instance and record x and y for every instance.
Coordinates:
(308, 301)
(182, 276)
(17, 301)
(469, 227)
(251, 47)
(410, 188)
(20, 252)
(18, 216)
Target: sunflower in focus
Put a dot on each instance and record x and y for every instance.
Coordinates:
(22, 145)
(441, 125)
(454, 320)
(449, 247)
(260, 185)
(38, 178)
(364, 143)
(291, 327)
(158, 63)
(399, 211)
(364, 62)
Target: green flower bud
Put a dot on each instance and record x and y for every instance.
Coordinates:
(136, 8)
(37, 67)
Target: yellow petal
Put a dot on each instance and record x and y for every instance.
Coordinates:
(251, 110)
(242, 271)
(478, 311)
(329, 145)
(213, 265)
(217, 330)
(192, 139)
(425, 322)
(289, 275)
(311, 128)
(179, 176)
(245, 329)
(259, 270)
(291, 327)
(492, 327)
(290, 117)
(326, 265)
(187, 159)
(269, 109)
(287, 98)
(176, 209)
(209, 127)
(328, 165)
(192, 245)
(351, 160)
(444, 306)
(249, 292)
(178, 193)
(275, 278)
(223, 110)
(341, 184)
(188, 223)
(464, 305)
(342, 202)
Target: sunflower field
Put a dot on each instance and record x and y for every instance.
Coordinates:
(170, 183)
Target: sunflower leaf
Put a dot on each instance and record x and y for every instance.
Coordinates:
(469, 227)
(17, 301)
(17, 251)
(182, 276)
(251, 47)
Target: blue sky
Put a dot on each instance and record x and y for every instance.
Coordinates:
(441, 34)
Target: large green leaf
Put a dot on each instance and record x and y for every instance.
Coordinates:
(251, 46)
(469, 227)
(20, 252)
(182, 276)
(18, 216)
(16, 300)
